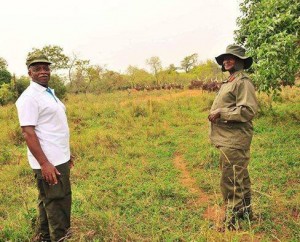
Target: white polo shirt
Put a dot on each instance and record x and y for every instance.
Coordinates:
(36, 107)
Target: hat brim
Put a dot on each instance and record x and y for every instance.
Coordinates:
(247, 60)
(39, 61)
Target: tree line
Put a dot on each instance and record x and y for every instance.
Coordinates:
(75, 75)
(269, 29)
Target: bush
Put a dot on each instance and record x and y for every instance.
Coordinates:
(55, 82)
(5, 76)
(6, 94)
(58, 85)
(21, 84)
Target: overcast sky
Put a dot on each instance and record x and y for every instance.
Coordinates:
(117, 33)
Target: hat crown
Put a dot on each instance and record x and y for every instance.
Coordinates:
(38, 58)
(236, 50)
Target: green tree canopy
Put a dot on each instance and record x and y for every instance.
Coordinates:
(3, 64)
(207, 71)
(189, 62)
(58, 85)
(5, 76)
(172, 68)
(112, 80)
(55, 55)
(21, 84)
(79, 77)
(137, 76)
(6, 94)
(269, 29)
(155, 65)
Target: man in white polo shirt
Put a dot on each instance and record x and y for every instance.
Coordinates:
(45, 128)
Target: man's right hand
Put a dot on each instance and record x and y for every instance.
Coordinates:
(213, 116)
(49, 173)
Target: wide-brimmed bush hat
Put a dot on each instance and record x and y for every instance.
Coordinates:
(37, 59)
(238, 52)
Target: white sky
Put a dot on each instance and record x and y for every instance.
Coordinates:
(117, 33)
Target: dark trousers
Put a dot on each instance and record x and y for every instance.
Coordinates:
(54, 205)
(235, 181)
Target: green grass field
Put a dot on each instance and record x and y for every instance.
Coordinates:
(145, 170)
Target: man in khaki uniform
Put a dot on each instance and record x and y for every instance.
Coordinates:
(231, 132)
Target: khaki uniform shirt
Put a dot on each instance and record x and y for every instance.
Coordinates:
(237, 103)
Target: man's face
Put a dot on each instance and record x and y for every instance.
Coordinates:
(229, 62)
(40, 73)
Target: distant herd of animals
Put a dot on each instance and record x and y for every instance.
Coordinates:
(210, 86)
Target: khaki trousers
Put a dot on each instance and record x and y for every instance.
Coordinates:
(235, 181)
(54, 205)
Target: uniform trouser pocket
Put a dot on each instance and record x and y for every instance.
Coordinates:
(55, 203)
(57, 191)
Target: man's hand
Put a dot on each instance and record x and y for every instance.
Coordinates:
(49, 173)
(71, 162)
(213, 116)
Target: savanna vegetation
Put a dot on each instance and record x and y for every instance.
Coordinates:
(145, 170)
(74, 75)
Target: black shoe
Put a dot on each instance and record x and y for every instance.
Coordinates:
(41, 238)
(230, 223)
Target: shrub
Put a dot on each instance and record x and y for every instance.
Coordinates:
(21, 84)
(5, 76)
(6, 94)
(58, 85)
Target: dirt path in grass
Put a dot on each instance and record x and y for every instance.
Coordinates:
(200, 199)
(213, 211)
(190, 183)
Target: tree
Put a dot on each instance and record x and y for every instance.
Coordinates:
(137, 76)
(155, 65)
(189, 62)
(71, 65)
(6, 94)
(86, 77)
(79, 76)
(172, 68)
(5, 76)
(55, 55)
(113, 81)
(132, 73)
(3, 64)
(207, 71)
(58, 85)
(94, 78)
(21, 84)
(269, 29)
